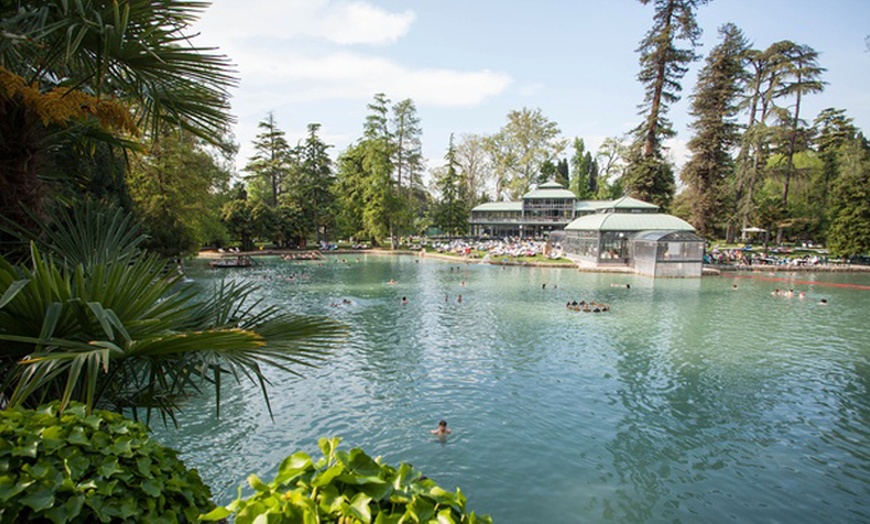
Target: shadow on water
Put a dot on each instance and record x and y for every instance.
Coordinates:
(688, 401)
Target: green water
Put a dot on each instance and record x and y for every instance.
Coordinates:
(688, 401)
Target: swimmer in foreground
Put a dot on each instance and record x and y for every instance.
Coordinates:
(442, 430)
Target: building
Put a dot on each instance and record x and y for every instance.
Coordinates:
(549, 207)
(625, 232)
(633, 234)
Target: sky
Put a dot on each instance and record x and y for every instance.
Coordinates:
(466, 64)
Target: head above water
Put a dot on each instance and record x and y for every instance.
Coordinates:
(442, 424)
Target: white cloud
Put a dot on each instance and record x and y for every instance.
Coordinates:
(339, 22)
(297, 78)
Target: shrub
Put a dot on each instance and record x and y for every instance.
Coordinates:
(347, 487)
(72, 467)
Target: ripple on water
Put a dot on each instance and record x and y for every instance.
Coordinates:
(688, 401)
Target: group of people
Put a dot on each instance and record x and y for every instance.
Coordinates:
(587, 307)
(513, 247)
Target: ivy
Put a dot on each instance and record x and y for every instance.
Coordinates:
(347, 487)
(67, 466)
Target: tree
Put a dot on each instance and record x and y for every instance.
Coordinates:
(611, 157)
(850, 224)
(313, 182)
(271, 164)
(93, 71)
(452, 212)
(649, 175)
(349, 191)
(715, 108)
(238, 217)
(408, 146)
(379, 196)
(408, 164)
(802, 77)
(562, 173)
(100, 321)
(174, 188)
(832, 130)
(765, 78)
(473, 164)
(582, 167)
(521, 147)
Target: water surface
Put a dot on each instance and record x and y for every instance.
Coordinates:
(688, 401)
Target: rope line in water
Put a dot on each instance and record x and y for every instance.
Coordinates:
(804, 282)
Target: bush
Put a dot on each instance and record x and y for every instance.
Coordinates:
(72, 467)
(347, 487)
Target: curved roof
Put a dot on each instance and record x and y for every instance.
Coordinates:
(499, 206)
(629, 222)
(668, 236)
(627, 202)
(553, 191)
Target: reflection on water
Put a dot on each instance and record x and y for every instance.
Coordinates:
(688, 401)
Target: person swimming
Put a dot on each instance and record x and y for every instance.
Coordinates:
(442, 430)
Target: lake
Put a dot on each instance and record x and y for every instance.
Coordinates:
(687, 401)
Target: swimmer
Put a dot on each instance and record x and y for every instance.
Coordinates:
(544, 286)
(442, 430)
(404, 301)
(803, 295)
(823, 302)
(626, 286)
(391, 282)
(459, 298)
(734, 287)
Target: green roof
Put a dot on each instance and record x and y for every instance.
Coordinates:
(550, 192)
(629, 203)
(591, 206)
(629, 222)
(499, 206)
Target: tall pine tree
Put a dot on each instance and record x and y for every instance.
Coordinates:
(649, 175)
(715, 108)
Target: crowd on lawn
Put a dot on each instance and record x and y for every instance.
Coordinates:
(510, 247)
(749, 258)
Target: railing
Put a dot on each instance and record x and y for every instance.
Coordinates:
(527, 220)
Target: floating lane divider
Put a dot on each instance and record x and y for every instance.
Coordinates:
(803, 282)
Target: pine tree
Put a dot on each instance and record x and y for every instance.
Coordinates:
(580, 168)
(850, 226)
(452, 215)
(714, 106)
(272, 161)
(313, 183)
(649, 175)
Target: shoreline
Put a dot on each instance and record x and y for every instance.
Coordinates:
(708, 269)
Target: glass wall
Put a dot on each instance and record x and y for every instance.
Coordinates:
(614, 248)
(582, 244)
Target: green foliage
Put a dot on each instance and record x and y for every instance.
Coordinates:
(451, 214)
(71, 466)
(850, 225)
(311, 187)
(119, 331)
(175, 189)
(520, 149)
(271, 165)
(650, 179)
(714, 107)
(133, 64)
(347, 487)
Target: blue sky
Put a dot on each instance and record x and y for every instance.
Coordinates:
(466, 64)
